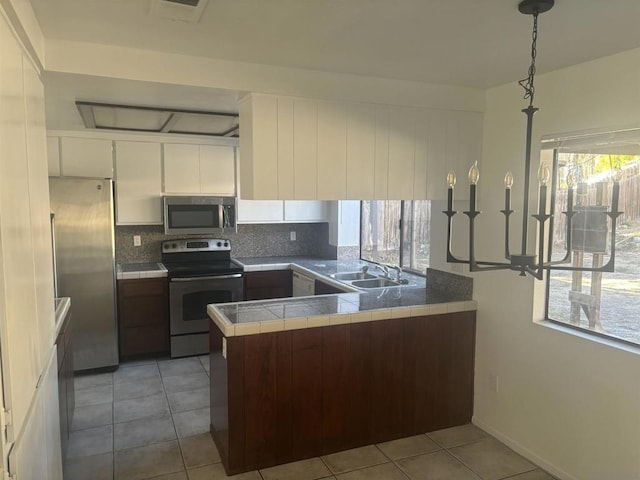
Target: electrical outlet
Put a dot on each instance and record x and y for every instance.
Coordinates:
(292, 236)
(493, 383)
(137, 241)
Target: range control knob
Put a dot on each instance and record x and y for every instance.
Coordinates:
(174, 245)
(226, 244)
(219, 244)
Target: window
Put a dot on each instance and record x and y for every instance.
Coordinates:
(395, 232)
(603, 303)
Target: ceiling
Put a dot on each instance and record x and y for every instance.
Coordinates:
(476, 43)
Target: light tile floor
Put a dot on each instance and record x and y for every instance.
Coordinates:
(150, 420)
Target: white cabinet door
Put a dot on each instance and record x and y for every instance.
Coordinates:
(138, 183)
(39, 204)
(53, 156)
(285, 148)
(260, 211)
(305, 211)
(361, 143)
(86, 157)
(437, 157)
(217, 170)
(259, 146)
(37, 453)
(381, 158)
(401, 153)
(421, 158)
(305, 149)
(19, 334)
(181, 168)
(332, 151)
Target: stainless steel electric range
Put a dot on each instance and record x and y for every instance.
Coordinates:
(200, 272)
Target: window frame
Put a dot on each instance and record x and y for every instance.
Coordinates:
(402, 239)
(570, 326)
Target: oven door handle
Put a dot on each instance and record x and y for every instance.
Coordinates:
(215, 277)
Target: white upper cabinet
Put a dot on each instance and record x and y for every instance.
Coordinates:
(217, 170)
(305, 211)
(260, 211)
(305, 149)
(259, 142)
(181, 168)
(138, 183)
(360, 152)
(402, 139)
(332, 151)
(86, 157)
(199, 169)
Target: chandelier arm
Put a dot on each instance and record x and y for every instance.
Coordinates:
(507, 250)
(534, 273)
(542, 219)
(610, 265)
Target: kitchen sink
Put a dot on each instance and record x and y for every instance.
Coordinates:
(375, 283)
(352, 276)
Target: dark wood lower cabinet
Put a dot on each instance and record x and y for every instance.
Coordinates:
(285, 396)
(268, 284)
(143, 317)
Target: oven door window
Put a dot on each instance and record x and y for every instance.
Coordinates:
(188, 302)
(194, 305)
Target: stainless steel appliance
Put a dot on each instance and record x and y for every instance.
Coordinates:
(84, 253)
(199, 215)
(200, 272)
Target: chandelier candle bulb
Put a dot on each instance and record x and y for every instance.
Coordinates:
(474, 176)
(451, 181)
(508, 183)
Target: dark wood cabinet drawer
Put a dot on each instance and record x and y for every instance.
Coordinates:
(143, 316)
(143, 287)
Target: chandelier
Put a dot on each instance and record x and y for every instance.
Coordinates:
(533, 264)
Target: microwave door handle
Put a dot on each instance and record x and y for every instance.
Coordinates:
(221, 216)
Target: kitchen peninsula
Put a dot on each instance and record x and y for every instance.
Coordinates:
(294, 378)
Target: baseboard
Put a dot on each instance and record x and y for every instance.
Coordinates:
(525, 452)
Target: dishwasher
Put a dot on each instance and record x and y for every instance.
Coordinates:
(303, 286)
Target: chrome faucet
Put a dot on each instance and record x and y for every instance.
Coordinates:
(384, 268)
(398, 273)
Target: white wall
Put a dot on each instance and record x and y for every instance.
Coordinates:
(344, 223)
(144, 65)
(569, 403)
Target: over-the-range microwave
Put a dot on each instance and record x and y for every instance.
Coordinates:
(199, 215)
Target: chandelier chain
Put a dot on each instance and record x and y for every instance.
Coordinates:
(527, 83)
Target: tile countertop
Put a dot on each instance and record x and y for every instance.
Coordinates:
(417, 298)
(61, 306)
(134, 271)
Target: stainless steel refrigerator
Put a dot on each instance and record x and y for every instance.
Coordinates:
(85, 265)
